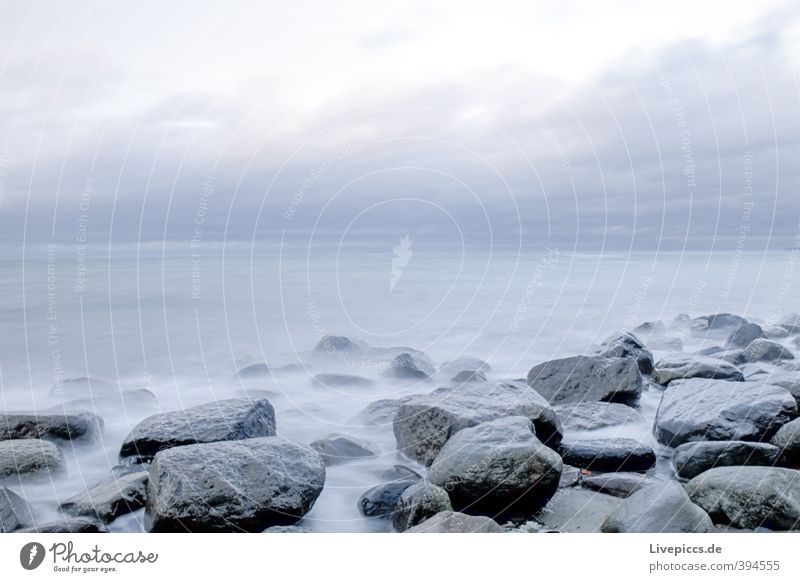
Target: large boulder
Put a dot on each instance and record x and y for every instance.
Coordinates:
(787, 440)
(497, 468)
(775, 332)
(423, 424)
(419, 502)
(577, 511)
(627, 345)
(691, 459)
(110, 499)
(406, 366)
(30, 425)
(340, 448)
(617, 484)
(223, 420)
(14, 511)
(685, 367)
(29, 457)
(454, 522)
(716, 324)
(582, 416)
(381, 500)
(662, 507)
(587, 378)
(764, 350)
(749, 497)
(245, 485)
(743, 335)
(608, 454)
(717, 410)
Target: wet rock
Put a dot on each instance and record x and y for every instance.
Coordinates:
(29, 457)
(587, 378)
(787, 440)
(30, 425)
(337, 344)
(453, 522)
(282, 529)
(340, 448)
(738, 358)
(720, 323)
(341, 380)
(245, 485)
(749, 497)
(775, 332)
(418, 502)
(68, 525)
(424, 423)
(788, 381)
(381, 411)
(717, 410)
(453, 367)
(406, 367)
(223, 420)
(764, 350)
(14, 511)
(381, 501)
(110, 499)
(746, 333)
(594, 415)
(89, 388)
(469, 376)
(608, 454)
(497, 468)
(569, 476)
(253, 371)
(791, 323)
(685, 367)
(617, 484)
(662, 507)
(577, 511)
(400, 473)
(691, 459)
(627, 345)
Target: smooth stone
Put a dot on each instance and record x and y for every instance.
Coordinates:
(608, 454)
(582, 416)
(743, 335)
(253, 371)
(340, 448)
(110, 499)
(78, 388)
(627, 345)
(764, 350)
(380, 412)
(245, 485)
(749, 497)
(283, 529)
(418, 502)
(775, 332)
(14, 511)
(406, 367)
(340, 380)
(29, 457)
(68, 525)
(454, 522)
(497, 468)
(381, 501)
(662, 507)
(718, 410)
(453, 367)
(400, 473)
(469, 376)
(617, 484)
(337, 344)
(577, 511)
(587, 378)
(424, 423)
(31, 425)
(222, 420)
(685, 367)
(569, 476)
(717, 323)
(691, 459)
(787, 439)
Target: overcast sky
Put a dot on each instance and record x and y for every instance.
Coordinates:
(617, 124)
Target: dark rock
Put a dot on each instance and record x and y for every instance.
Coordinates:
(68, 525)
(419, 502)
(587, 378)
(29, 457)
(617, 484)
(787, 440)
(223, 420)
(469, 376)
(339, 380)
(684, 367)
(381, 501)
(496, 468)
(691, 459)
(453, 522)
(717, 410)
(749, 497)
(340, 448)
(661, 507)
(14, 511)
(110, 499)
(30, 425)
(406, 367)
(424, 423)
(245, 485)
(577, 511)
(453, 367)
(627, 345)
(87, 388)
(743, 335)
(594, 415)
(764, 350)
(608, 454)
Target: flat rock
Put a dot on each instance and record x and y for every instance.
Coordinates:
(245, 485)
(608, 454)
(583, 416)
(749, 497)
(627, 345)
(619, 484)
(110, 499)
(787, 440)
(67, 525)
(577, 511)
(30, 425)
(222, 420)
(587, 378)
(453, 522)
(662, 507)
(418, 502)
(685, 367)
(764, 350)
(340, 448)
(497, 468)
(29, 457)
(14, 511)
(283, 529)
(717, 410)
(691, 459)
(381, 501)
(743, 335)
(341, 380)
(716, 324)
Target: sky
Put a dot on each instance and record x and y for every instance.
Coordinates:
(595, 125)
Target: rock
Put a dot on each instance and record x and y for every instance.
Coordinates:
(222, 420)
(691, 459)
(406, 367)
(30, 425)
(569, 476)
(651, 327)
(69, 525)
(381, 501)
(764, 350)
(419, 502)
(399, 473)
(380, 412)
(743, 335)
(339, 380)
(136, 400)
(594, 415)
(720, 323)
(587, 378)
(496, 468)
(340, 448)
(453, 522)
(787, 380)
(253, 371)
(684, 367)
(286, 529)
(775, 332)
(681, 324)
(617, 484)
(627, 345)
(608, 454)
(469, 376)
(424, 423)
(14, 511)
(662, 507)
(87, 388)
(791, 323)
(337, 344)
(245, 485)
(670, 344)
(738, 358)
(29, 457)
(110, 499)
(749, 497)
(787, 440)
(453, 367)
(717, 410)
(577, 511)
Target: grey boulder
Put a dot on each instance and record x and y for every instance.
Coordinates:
(418, 502)
(583, 416)
(587, 378)
(381, 500)
(743, 335)
(608, 454)
(67, 426)
(787, 440)
(340, 448)
(662, 507)
(691, 459)
(408, 367)
(627, 345)
(469, 376)
(29, 457)
(453, 367)
(454, 522)
(764, 350)
(577, 511)
(380, 411)
(617, 484)
(14, 511)
(110, 499)
(685, 367)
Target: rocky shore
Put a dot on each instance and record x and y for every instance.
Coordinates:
(474, 452)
